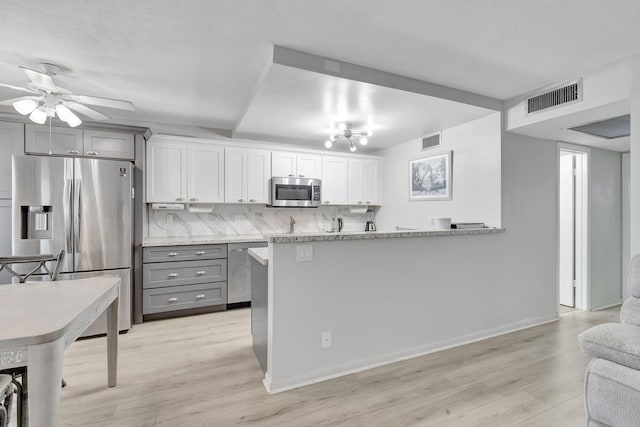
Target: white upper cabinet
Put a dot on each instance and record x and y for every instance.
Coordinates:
(166, 172)
(364, 182)
(62, 141)
(247, 175)
(11, 142)
(309, 165)
(302, 165)
(205, 173)
(114, 145)
(334, 180)
(181, 172)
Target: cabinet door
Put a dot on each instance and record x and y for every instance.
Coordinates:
(11, 142)
(371, 185)
(166, 172)
(334, 180)
(205, 173)
(114, 145)
(64, 141)
(235, 175)
(283, 164)
(309, 166)
(258, 175)
(355, 186)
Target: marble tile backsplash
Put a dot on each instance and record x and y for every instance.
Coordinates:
(250, 219)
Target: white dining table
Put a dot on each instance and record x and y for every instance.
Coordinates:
(38, 321)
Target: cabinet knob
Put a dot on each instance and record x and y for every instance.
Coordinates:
(301, 176)
(73, 152)
(252, 200)
(180, 199)
(172, 254)
(174, 299)
(326, 202)
(291, 174)
(200, 253)
(359, 202)
(368, 202)
(200, 296)
(173, 275)
(92, 153)
(193, 199)
(200, 273)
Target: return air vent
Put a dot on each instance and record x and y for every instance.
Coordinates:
(554, 98)
(431, 141)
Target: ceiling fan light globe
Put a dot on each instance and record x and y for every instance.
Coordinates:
(63, 112)
(25, 106)
(342, 127)
(364, 140)
(74, 121)
(38, 116)
(328, 143)
(352, 148)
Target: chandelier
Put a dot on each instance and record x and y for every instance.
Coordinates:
(347, 135)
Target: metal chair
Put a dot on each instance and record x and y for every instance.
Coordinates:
(14, 386)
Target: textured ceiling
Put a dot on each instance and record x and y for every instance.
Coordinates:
(194, 62)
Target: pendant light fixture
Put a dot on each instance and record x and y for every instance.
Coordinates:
(346, 135)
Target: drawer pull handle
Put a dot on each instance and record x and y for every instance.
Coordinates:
(173, 275)
(200, 253)
(174, 299)
(172, 254)
(200, 296)
(240, 200)
(92, 153)
(193, 199)
(252, 200)
(73, 152)
(200, 273)
(180, 199)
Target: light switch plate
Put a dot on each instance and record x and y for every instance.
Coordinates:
(304, 253)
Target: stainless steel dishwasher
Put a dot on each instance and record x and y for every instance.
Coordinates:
(239, 271)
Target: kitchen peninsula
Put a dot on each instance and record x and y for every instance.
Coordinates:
(339, 303)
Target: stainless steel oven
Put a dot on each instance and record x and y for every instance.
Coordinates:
(295, 192)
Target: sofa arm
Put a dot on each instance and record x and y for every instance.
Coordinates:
(617, 342)
(630, 312)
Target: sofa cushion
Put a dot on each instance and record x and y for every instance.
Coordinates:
(630, 311)
(617, 342)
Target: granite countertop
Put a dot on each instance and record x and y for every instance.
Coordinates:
(260, 254)
(364, 235)
(202, 240)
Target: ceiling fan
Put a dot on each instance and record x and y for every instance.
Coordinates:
(46, 99)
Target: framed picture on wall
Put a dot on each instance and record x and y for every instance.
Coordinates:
(430, 177)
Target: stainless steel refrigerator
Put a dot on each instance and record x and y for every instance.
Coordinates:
(83, 206)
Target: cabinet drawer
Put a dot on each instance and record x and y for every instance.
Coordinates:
(183, 297)
(183, 273)
(184, 253)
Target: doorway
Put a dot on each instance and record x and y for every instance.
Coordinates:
(572, 228)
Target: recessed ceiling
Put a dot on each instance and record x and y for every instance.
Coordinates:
(615, 127)
(195, 63)
(307, 107)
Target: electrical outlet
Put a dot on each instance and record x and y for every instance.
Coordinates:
(304, 253)
(325, 340)
(169, 219)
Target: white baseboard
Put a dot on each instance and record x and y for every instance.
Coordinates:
(279, 385)
(609, 304)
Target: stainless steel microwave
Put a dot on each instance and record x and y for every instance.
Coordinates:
(295, 192)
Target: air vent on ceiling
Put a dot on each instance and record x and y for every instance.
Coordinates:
(553, 98)
(431, 141)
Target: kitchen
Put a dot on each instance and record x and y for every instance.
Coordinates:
(367, 259)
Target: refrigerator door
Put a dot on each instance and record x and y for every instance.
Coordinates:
(41, 207)
(103, 214)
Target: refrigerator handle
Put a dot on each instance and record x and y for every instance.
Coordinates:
(68, 219)
(77, 213)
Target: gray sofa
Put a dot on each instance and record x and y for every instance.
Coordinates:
(612, 382)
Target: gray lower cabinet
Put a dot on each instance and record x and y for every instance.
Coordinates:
(183, 277)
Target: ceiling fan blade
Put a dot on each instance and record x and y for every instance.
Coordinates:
(40, 79)
(23, 89)
(104, 102)
(11, 101)
(85, 111)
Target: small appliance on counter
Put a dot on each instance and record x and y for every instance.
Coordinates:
(369, 225)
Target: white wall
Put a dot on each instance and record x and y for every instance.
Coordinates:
(386, 299)
(476, 178)
(634, 182)
(605, 228)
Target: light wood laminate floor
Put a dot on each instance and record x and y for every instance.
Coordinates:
(201, 371)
